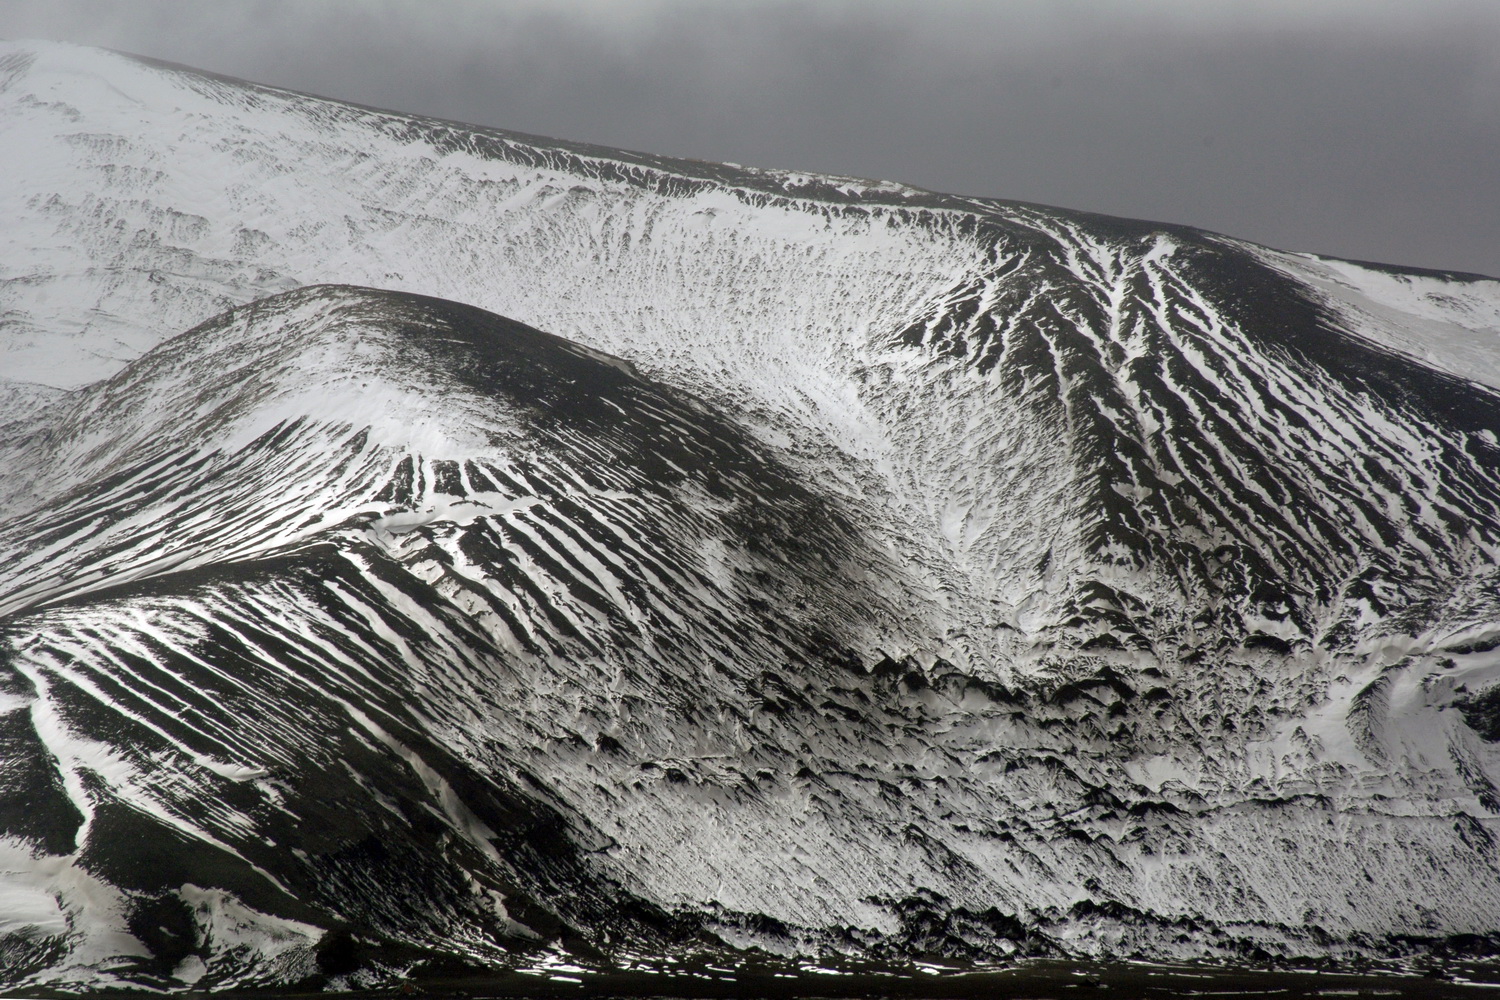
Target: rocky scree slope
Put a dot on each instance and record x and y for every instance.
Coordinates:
(869, 570)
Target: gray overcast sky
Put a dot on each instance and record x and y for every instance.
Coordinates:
(1361, 128)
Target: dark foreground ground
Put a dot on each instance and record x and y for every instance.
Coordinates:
(1032, 981)
(1046, 981)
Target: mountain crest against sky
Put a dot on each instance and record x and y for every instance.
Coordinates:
(426, 542)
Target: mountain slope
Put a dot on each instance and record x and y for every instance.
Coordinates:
(870, 570)
(550, 560)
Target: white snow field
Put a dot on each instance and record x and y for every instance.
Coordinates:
(422, 541)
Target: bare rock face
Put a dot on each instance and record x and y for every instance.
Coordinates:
(849, 568)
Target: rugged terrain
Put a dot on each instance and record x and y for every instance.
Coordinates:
(428, 544)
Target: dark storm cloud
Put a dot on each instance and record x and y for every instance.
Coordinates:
(1363, 129)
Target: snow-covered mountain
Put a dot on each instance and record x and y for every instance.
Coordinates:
(846, 568)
